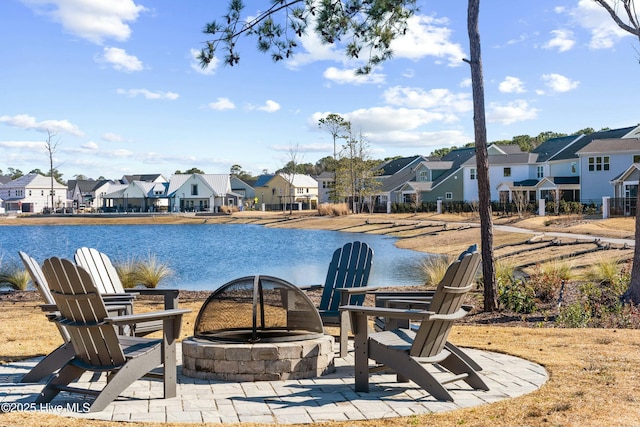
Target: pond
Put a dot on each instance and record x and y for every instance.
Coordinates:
(206, 256)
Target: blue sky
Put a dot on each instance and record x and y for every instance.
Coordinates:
(117, 83)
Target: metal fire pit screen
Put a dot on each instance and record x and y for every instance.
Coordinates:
(258, 309)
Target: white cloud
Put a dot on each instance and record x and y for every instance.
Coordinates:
(132, 93)
(348, 75)
(559, 83)
(442, 100)
(120, 60)
(428, 36)
(23, 144)
(195, 64)
(466, 83)
(90, 145)
(306, 148)
(385, 119)
(594, 18)
(511, 112)
(421, 140)
(269, 107)
(511, 85)
(119, 153)
(24, 121)
(90, 19)
(562, 40)
(222, 104)
(312, 49)
(112, 137)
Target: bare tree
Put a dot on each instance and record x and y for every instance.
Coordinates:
(289, 173)
(627, 19)
(51, 148)
(339, 128)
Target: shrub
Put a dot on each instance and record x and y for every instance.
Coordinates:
(336, 209)
(573, 316)
(515, 295)
(546, 281)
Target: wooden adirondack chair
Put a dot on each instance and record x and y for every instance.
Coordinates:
(97, 347)
(409, 352)
(346, 283)
(108, 282)
(61, 355)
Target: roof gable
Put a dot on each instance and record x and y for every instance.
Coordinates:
(571, 151)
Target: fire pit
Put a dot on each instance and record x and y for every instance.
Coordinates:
(258, 328)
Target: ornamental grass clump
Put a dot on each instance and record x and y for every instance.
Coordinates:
(150, 271)
(14, 277)
(434, 268)
(126, 271)
(333, 209)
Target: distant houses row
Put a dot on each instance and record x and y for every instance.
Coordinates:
(577, 168)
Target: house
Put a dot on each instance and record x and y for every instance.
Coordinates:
(201, 192)
(507, 164)
(282, 189)
(607, 166)
(326, 181)
(155, 178)
(136, 196)
(243, 189)
(33, 193)
(89, 194)
(442, 178)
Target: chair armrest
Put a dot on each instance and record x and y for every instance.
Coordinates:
(388, 312)
(170, 295)
(143, 317)
(357, 291)
(49, 308)
(115, 298)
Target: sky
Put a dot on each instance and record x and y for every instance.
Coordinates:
(117, 85)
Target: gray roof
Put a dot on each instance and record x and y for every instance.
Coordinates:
(572, 150)
(393, 166)
(610, 145)
(551, 147)
(507, 159)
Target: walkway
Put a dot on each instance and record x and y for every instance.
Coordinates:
(328, 398)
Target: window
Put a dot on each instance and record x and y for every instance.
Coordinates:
(448, 195)
(598, 163)
(300, 190)
(540, 171)
(636, 158)
(423, 176)
(42, 192)
(574, 167)
(29, 192)
(474, 173)
(194, 189)
(8, 193)
(507, 172)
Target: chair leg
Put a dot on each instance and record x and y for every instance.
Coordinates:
(464, 356)
(344, 333)
(66, 375)
(51, 363)
(131, 371)
(457, 365)
(361, 354)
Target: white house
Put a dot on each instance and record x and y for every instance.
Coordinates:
(201, 192)
(33, 193)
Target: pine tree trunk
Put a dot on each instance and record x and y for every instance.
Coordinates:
(480, 131)
(633, 293)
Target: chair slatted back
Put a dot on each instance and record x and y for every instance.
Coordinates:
(40, 282)
(82, 312)
(101, 268)
(349, 268)
(449, 296)
(37, 277)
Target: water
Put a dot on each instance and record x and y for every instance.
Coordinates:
(206, 256)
